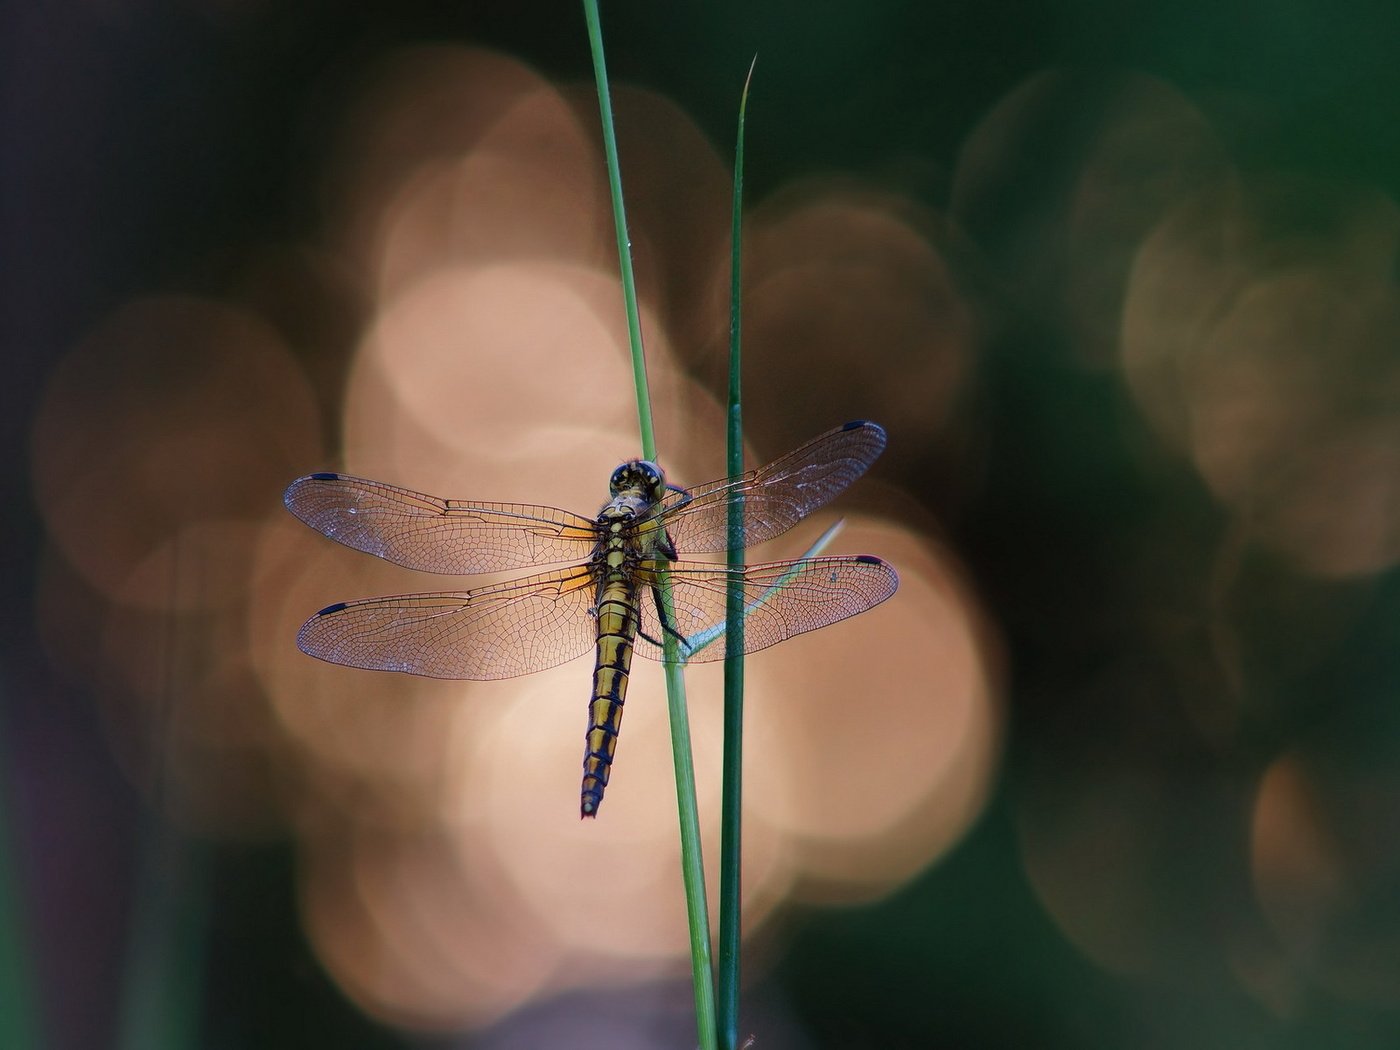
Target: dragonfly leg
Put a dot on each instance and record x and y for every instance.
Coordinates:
(667, 547)
(664, 620)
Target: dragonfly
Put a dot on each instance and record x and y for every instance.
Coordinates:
(624, 587)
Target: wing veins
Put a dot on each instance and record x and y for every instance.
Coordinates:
(430, 534)
(781, 600)
(774, 497)
(498, 631)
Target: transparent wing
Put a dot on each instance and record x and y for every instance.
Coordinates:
(500, 631)
(775, 497)
(438, 535)
(782, 599)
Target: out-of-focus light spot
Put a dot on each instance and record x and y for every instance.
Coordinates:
(1113, 848)
(69, 615)
(371, 742)
(1324, 871)
(678, 212)
(161, 439)
(652, 1015)
(1259, 336)
(873, 744)
(184, 718)
(1261, 969)
(1063, 179)
(848, 300)
(582, 913)
(504, 201)
(171, 416)
(1343, 517)
(1298, 872)
(412, 935)
(1103, 904)
(189, 723)
(1207, 253)
(531, 770)
(495, 373)
(1307, 450)
(427, 105)
(317, 300)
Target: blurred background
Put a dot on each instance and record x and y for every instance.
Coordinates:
(1119, 766)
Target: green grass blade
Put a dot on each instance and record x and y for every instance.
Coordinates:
(18, 1014)
(692, 863)
(164, 967)
(731, 805)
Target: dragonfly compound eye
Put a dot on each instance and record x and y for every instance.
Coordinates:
(653, 480)
(639, 476)
(620, 478)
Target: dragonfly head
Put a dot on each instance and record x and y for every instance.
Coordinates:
(638, 477)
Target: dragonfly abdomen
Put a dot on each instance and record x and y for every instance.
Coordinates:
(617, 630)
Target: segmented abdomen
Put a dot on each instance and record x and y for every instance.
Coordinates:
(617, 629)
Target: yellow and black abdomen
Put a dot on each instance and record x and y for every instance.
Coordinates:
(617, 631)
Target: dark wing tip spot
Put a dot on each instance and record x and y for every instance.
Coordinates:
(330, 609)
(324, 476)
(869, 559)
(875, 429)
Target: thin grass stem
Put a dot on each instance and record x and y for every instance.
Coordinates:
(692, 863)
(624, 242)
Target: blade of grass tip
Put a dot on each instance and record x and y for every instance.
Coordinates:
(692, 863)
(731, 804)
(704, 639)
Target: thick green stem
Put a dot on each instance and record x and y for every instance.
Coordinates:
(732, 801)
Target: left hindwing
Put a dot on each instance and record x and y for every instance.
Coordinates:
(498, 631)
